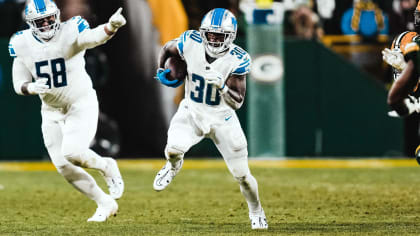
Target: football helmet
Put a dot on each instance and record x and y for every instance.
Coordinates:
(43, 17)
(218, 30)
(417, 18)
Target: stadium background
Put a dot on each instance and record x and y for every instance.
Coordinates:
(329, 102)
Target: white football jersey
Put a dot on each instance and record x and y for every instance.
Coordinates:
(58, 60)
(205, 99)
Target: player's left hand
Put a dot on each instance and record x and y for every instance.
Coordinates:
(215, 78)
(394, 58)
(116, 21)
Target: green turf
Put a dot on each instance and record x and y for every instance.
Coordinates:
(208, 202)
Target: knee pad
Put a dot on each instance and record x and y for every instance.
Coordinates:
(237, 140)
(238, 167)
(173, 153)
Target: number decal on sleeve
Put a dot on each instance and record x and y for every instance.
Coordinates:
(196, 37)
(212, 93)
(238, 52)
(58, 69)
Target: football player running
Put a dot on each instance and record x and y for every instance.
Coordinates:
(404, 58)
(52, 53)
(215, 87)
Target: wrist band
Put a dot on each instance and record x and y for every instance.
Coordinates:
(224, 89)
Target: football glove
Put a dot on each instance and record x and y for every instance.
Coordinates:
(394, 58)
(38, 87)
(161, 76)
(116, 21)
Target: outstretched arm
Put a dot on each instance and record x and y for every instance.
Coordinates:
(91, 38)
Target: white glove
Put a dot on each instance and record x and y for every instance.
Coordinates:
(38, 87)
(413, 105)
(116, 21)
(213, 77)
(394, 58)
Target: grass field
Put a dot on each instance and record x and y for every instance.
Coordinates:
(206, 201)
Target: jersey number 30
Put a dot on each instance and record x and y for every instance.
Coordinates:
(197, 95)
(58, 69)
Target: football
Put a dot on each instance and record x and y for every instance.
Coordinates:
(178, 68)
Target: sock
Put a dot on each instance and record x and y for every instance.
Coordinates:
(249, 189)
(83, 182)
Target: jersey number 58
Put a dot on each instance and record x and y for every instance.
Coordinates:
(58, 69)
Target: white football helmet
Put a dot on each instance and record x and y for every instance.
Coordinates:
(43, 17)
(218, 30)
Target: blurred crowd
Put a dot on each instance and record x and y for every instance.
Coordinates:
(368, 18)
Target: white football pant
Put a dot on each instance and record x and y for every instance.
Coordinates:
(229, 139)
(67, 135)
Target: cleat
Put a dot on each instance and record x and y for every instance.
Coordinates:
(258, 221)
(166, 174)
(417, 154)
(103, 212)
(113, 179)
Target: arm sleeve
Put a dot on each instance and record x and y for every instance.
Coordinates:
(181, 43)
(20, 75)
(89, 38)
(92, 38)
(185, 41)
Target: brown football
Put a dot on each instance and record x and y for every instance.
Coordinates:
(178, 68)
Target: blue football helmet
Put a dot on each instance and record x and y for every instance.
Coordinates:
(218, 30)
(43, 17)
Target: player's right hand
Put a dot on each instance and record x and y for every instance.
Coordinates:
(161, 76)
(38, 87)
(394, 58)
(116, 21)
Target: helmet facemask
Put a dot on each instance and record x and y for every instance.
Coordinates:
(45, 27)
(216, 43)
(44, 22)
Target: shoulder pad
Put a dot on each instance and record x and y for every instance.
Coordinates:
(14, 43)
(81, 23)
(410, 47)
(186, 37)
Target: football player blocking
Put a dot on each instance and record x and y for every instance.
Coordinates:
(214, 88)
(404, 59)
(52, 53)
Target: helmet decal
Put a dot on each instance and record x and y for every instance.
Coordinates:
(216, 19)
(40, 6)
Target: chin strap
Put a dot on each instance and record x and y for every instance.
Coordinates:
(220, 54)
